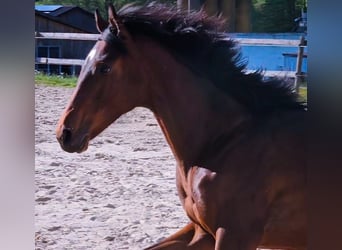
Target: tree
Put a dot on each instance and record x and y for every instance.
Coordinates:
(236, 12)
(276, 15)
(241, 15)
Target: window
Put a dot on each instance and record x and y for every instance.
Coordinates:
(49, 52)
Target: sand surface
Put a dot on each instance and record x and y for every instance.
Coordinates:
(119, 194)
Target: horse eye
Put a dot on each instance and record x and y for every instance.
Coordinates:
(104, 68)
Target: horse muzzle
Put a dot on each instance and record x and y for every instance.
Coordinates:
(71, 141)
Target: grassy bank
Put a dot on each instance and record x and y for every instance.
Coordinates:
(55, 80)
(303, 92)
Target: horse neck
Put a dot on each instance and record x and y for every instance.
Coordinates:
(190, 110)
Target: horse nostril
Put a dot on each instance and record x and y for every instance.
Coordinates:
(66, 136)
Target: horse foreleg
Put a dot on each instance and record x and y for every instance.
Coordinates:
(169, 245)
(191, 237)
(230, 240)
(178, 240)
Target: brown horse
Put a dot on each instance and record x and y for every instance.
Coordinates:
(239, 139)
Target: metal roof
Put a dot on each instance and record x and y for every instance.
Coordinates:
(62, 10)
(47, 8)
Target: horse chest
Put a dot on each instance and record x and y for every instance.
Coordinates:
(196, 191)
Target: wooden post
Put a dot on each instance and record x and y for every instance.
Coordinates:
(73, 70)
(299, 73)
(194, 5)
(182, 4)
(243, 16)
(227, 9)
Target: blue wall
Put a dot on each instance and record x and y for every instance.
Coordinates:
(270, 57)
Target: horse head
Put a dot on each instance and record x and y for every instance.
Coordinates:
(109, 85)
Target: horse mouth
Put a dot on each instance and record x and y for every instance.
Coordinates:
(77, 146)
(84, 144)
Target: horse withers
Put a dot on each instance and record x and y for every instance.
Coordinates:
(238, 139)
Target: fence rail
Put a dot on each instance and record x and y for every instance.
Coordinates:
(59, 61)
(267, 42)
(94, 37)
(66, 36)
(297, 74)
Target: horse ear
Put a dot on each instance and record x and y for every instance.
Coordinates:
(117, 26)
(113, 20)
(101, 24)
(112, 12)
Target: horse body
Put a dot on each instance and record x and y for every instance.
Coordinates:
(241, 175)
(241, 184)
(228, 153)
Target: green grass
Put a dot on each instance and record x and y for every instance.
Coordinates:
(55, 80)
(303, 92)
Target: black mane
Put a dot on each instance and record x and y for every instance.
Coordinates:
(199, 42)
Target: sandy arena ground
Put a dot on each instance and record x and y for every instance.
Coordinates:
(119, 194)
